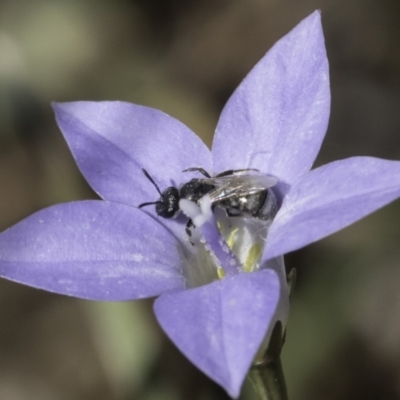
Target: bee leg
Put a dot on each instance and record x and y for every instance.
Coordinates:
(234, 171)
(188, 230)
(198, 169)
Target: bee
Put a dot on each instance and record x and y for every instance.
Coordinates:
(240, 193)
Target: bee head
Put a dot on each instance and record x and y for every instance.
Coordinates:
(167, 206)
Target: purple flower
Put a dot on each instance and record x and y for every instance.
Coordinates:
(110, 250)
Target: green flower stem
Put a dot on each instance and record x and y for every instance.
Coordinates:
(267, 376)
(268, 380)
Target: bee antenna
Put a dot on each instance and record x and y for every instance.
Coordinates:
(152, 181)
(148, 204)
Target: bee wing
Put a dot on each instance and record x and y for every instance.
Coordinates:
(239, 185)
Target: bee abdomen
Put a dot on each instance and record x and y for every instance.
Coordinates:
(269, 208)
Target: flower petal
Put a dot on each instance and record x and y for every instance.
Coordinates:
(93, 250)
(220, 326)
(277, 118)
(330, 198)
(113, 141)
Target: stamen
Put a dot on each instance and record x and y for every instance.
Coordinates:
(221, 273)
(253, 257)
(231, 238)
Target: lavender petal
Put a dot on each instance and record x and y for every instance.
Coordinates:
(93, 250)
(330, 198)
(220, 326)
(113, 141)
(276, 119)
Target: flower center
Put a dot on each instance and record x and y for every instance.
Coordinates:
(223, 245)
(246, 238)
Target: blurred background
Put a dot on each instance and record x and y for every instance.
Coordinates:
(186, 57)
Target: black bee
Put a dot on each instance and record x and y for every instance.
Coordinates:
(241, 193)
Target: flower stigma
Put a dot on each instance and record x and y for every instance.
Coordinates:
(203, 218)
